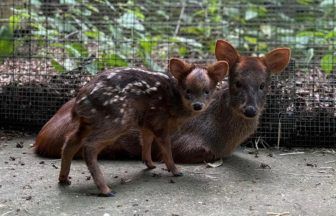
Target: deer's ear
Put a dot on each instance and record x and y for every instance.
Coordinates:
(277, 60)
(218, 70)
(225, 51)
(179, 68)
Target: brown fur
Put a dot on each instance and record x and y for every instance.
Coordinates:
(214, 134)
(155, 104)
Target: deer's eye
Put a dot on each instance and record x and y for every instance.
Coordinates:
(206, 92)
(188, 91)
(262, 86)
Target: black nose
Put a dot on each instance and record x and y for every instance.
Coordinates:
(197, 106)
(250, 111)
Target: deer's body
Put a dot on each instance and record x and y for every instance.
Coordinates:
(153, 103)
(230, 119)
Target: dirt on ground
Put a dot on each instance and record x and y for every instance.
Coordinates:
(264, 182)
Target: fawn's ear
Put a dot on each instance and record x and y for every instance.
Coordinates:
(225, 51)
(179, 68)
(277, 60)
(218, 70)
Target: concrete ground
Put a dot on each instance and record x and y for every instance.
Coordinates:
(268, 183)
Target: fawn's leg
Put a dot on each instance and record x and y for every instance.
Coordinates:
(91, 150)
(70, 148)
(167, 156)
(146, 139)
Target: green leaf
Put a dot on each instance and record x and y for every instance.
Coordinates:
(309, 56)
(76, 50)
(304, 2)
(6, 42)
(14, 22)
(251, 40)
(92, 34)
(36, 2)
(113, 60)
(327, 63)
(250, 14)
(266, 29)
(70, 64)
(57, 66)
(310, 34)
(148, 45)
(189, 41)
(331, 34)
(130, 21)
(68, 2)
(327, 3)
(92, 68)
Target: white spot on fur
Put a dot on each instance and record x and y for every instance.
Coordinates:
(108, 116)
(97, 87)
(111, 75)
(105, 103)
(149, 72)
(152, 89)
(93, 110)
(80, 100)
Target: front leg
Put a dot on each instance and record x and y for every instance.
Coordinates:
(167, 156)
(146, 139)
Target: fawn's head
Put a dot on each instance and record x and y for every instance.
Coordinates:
(197, 83)
(249, 77)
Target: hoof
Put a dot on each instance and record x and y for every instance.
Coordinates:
(149, 165)
(178, 174)
(64, 182)
(109, 194)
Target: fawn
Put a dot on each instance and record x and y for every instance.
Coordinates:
(230, 119)
(154, 103)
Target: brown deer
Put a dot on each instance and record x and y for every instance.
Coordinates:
(153, 103)
(230, 119)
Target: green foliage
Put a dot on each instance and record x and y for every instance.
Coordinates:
(6, 42)
(117, 31)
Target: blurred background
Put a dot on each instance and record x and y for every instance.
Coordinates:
(49, 48)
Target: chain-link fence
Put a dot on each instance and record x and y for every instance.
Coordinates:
(48, 48)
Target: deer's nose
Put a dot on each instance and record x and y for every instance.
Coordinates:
(250, 111)
(197, 106)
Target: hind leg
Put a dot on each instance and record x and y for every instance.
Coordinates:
(93, 145)
(90, 156)
(146, 139)
(70, 148)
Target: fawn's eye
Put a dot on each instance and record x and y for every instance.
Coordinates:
(206, 92)
(238, 84)
(262, 86)
(188, 91)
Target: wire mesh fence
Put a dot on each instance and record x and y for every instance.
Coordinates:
(49, 48)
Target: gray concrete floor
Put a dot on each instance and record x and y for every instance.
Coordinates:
(299, 184)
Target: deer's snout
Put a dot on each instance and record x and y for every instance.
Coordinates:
(197, 106)
(250, 111)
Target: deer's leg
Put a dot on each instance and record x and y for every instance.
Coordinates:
(167, 156)
(71, 146)
(90, 152)
(146, 139)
